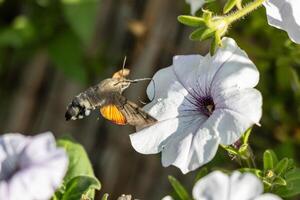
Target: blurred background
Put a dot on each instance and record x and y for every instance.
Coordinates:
(50, 50)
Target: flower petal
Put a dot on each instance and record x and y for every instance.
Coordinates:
(231, 67)
(150, 140)
(42, 167)
(153, 139)
(195, 5)
(268, 196)
(12, 143)
(193, 72)
(228, 125)
(247, 102)
(190, 147)
(167, 198)
(214, 186)
(244, 186)
(166, 93)
(285, 15)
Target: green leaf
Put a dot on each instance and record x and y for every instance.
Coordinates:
(207, 15)
(270, 159)
(81, 16)
(281, 166)
(81, 186)
(293, 184)
(230, 150)
(256, 172)
(179, 189)
(201, 34)
(229, 5)
(105, 196)
(246, 135)
(279, 181)
(191, 20)
(196, 35)
(201, 173)
(66, 53)
(79, 163)
(293, 175)
(213, 47)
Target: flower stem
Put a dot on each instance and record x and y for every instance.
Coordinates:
(250, 161)
(244, 11)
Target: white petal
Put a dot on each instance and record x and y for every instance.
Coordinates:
(190, 147)
(167, 198)
(195, 5)
(228, 125)
(39, 149)
(214, 186)
(12, 143)
(42, 168)
(193, 73)
(268, 197)
(153, 139)
(247, 102)
(244, 186)
(285, 15)
(166, 94)
(231, 67)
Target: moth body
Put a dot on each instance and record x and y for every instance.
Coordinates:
(107, 97)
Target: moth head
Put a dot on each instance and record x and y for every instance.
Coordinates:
(114, 85)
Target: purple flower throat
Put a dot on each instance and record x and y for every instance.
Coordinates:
(205, 105)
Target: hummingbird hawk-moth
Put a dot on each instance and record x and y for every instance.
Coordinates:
(107, 97)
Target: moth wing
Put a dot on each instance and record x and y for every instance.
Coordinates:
(134, 114)
(111, 112)
(131, 113)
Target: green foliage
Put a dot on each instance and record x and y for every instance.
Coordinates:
(81, 186)
(270, 159)
(105, 197)
(81, 16)
(230, 4)
(67, 54)
(19, 33)
(80, 180)
(191, 20)
(179, 188)
(201, 173)
(292, 188)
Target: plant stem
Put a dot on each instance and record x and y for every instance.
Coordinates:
(250, 159)
(244, 11)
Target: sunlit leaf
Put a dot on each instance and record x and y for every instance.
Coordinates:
(80, 187)
(191, 20)
(270, 159)
(179, 189)
(81, 15)
(67, 54)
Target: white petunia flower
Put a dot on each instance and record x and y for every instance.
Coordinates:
(195, 5)
(30, 167)
(285, 15)
(220, 186)
(167, 198)
(200, 102)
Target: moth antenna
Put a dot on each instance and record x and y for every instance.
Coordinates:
(124, 63)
